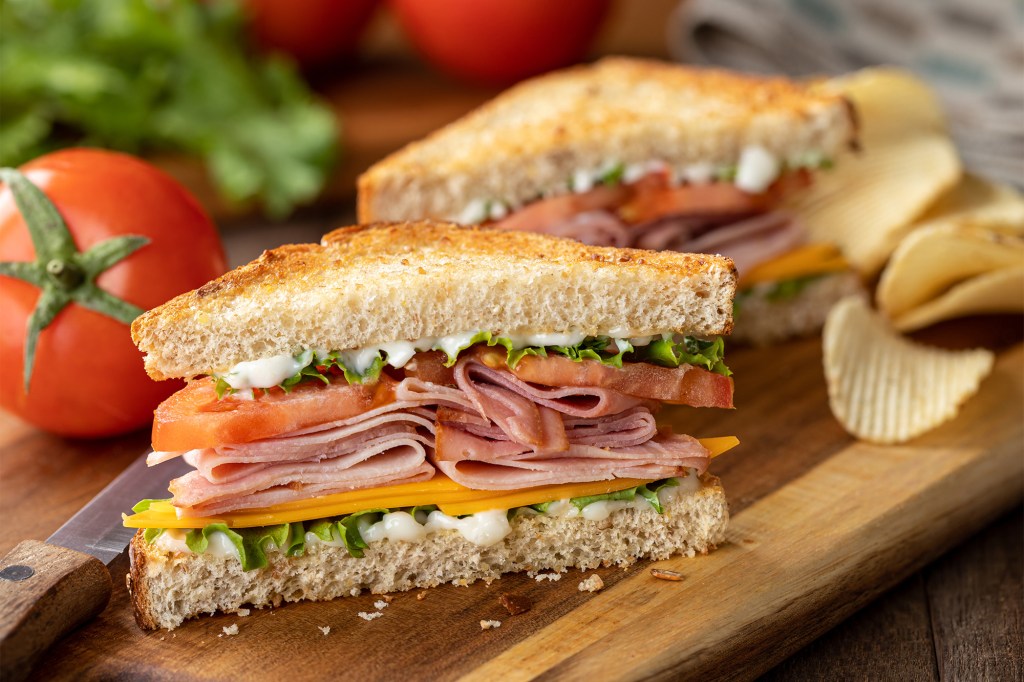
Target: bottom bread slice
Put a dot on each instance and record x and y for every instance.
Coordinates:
(169, 587)
(761, 321)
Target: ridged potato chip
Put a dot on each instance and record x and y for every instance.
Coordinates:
(932, 260)
(867, 203)
(1001, 291)
(885, 389)
(981, 202)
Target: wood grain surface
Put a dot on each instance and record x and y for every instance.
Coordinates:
(821, 525)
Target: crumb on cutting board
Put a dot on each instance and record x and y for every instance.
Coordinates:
(243, 612)
(231, 629)
(380, 604)
(548, 576)
(515, 604)
(488, 624)
(421, 596)
(326, 629)
(591, 584)
(369, 616)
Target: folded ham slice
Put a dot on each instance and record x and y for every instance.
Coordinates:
(747, 240)
(477, 462)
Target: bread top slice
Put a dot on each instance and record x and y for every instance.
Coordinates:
(367, 285)
(533, 137)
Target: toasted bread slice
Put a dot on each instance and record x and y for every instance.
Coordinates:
(376, 284)
(533, 137)
(169, 587)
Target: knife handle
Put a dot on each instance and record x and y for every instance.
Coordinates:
(45, 592)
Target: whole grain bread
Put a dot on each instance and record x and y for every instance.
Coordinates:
(763, 321)
(534, 136)
(167, 588)
(375, 284)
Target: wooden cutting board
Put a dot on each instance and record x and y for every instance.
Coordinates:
(821, 525)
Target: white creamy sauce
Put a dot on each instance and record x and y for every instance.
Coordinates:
(221, 546)
(172, 540)
(271, 371)
(484, 528)
(262, 373)
(757, 169)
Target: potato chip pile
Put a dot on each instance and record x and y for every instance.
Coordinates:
(943, 243)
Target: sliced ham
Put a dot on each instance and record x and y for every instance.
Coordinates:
(403, 463)
(358, 463)
(483, 464)
(752, 241)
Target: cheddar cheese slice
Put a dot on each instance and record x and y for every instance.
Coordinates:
(811, 259)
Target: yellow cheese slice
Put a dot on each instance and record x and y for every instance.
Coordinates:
(812, 259)
(440, 490)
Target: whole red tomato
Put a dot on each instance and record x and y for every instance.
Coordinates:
(311, 31)
(497, 42)
(88, 378)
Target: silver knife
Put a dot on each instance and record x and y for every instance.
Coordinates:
(48, 589)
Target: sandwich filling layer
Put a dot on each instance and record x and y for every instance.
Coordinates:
(733, 211)
(490, 414)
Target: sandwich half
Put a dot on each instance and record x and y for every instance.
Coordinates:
(406, 405)
(644, 154)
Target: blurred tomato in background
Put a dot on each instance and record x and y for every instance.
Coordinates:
(497, 42)
(314, 32)
(88, 378)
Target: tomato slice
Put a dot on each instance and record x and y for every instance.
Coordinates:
(683, 385)
(652, 197)
(195, 418)
(711, 200)
(536, 216)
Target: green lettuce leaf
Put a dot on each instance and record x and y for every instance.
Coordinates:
(151, 534)
(649, 492)
(691, 351)
(143, 505)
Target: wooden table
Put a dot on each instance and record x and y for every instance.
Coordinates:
(959, 618)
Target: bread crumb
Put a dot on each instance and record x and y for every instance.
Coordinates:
(421, 596)
(548, 576)
(161, 639)
(326, 629)
(515, 604)
(488, 624)
(231, 629)
(243, 612)
(380, 604)
(369, 616)
(591, 584)
(387, 598)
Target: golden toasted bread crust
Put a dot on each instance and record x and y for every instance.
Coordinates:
(138, 586)
(535, 135)
(380, 283)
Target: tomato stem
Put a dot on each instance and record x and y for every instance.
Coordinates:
(62, 273)
(67, 276)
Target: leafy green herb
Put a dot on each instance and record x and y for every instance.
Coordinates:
(170, 76)
(614, 174)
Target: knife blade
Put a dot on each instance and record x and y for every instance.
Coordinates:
(49, 589)
(96, 529)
